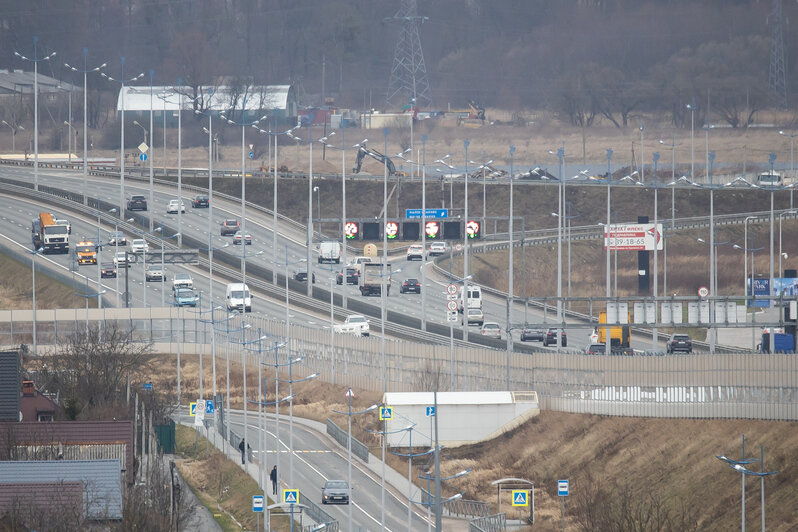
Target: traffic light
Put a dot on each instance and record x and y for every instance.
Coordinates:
(451, 231)
(411, 231)
(432, 229)
(473, 229)
(391, 230)
(371, 231)
(352, 230)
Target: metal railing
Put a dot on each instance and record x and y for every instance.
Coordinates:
(315, 512)
(467, 508)
(491, 523)
(359, 449)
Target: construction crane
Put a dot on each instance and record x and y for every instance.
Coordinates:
(363, 151)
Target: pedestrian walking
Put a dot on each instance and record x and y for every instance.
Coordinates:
(242, 447)
(273, 477)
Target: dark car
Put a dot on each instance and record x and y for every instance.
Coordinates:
(230, 227)
(137, 203)
(108, 269)
(302, 276)
(410, 285)
(532, 335)
(551, 337)
(596, 349)
(335, 492)
(200, 202)
(352, 276)
(679, 342)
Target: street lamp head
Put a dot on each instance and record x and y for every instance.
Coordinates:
(113, 210)
(372, 407)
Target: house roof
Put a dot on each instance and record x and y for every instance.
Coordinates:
(56, 496)
(9, 385)
(31, 405)
(71, 433)
(21, 82)
(102, 487)
(219, 98)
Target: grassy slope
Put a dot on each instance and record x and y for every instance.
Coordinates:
(15, 288)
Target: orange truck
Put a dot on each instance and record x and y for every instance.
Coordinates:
(86, 252)
(53, 234)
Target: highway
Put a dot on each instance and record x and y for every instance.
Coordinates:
(195, 223)
(316, 461)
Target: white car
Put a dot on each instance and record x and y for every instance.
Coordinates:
(155, 272)
(120, 259)
(437, 248)
(182, 280)
(415, 251)
(173, 206)
(491, 330)
(139, 245)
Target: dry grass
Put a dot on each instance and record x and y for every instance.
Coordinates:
(672, 457)
(16, 288)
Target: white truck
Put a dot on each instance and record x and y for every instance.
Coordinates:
(53, 234)
(372, 275)
(330, 251)
(355, 324)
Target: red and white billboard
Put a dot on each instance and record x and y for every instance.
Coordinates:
(634, 237)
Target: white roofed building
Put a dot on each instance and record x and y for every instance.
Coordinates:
(278, 101)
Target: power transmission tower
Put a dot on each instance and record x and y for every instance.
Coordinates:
(777, 80)
(408, 74)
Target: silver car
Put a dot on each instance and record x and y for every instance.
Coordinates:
(335, 492)
(491, 330)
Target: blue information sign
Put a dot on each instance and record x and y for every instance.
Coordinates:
(252, 155)
(430, 213)
(143, 156)
(209, 406)
(147, 386)
(430, 411)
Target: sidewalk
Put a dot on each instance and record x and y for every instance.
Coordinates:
(201, 518)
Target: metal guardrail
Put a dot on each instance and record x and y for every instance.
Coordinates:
(492, 523)
(315, 512)
(467, 508)
(358, 448)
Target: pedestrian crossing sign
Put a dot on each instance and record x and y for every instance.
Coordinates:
(520, 498)
(290, 496)
(386, 413)
(193, 407)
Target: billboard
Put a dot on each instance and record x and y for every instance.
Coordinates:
(787, 287)
(633, 237)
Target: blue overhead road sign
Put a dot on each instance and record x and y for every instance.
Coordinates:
(430, 213)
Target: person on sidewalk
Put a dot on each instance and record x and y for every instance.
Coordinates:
(242, 447)
(273, 478)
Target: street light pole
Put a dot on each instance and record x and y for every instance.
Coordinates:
(692, 108)
(656, 245)
(792, 136)
(771, 287)
(509, 302)
(466, 142)
(35, 62)
(608, 228)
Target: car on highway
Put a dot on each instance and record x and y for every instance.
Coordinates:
(410, 285)
(137, 203)
(185, 297)
(437, 248)
(596, 349)
(679, 342)
(415, 251)
(238, 237)
(491, 330)
(174, 205)
(335, 492)
(474, 316)
(121, 259)
(352, 276)
(302, 276)
(108, 269)
(229, 227)
(139, 245)
(182, 280)
(117, 238)
(155, 272)
(551, 337)
(532, 335)
(200, 201)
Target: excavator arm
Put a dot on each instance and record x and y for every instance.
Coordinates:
(362, 151)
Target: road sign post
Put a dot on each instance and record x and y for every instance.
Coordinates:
(562, 492)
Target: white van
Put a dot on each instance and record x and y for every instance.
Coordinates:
(330, 251)
(474, 298)
(238, 297)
